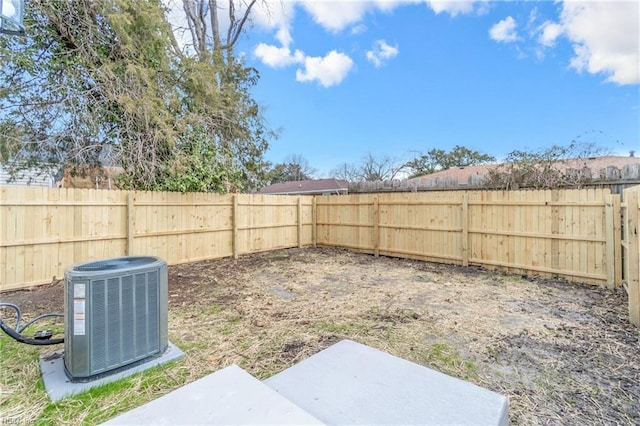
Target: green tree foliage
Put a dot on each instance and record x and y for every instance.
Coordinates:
(439, 159)
(98, 81)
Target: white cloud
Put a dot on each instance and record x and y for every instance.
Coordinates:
(328, 70)
(381, 52)
(333, 16)
(284, 36)
(549, 32)
(605, 37)
(278, 57)
(452, 7)
(358, 29)
(336, 15)
(504, 31)
(273, 14)
(533, 16)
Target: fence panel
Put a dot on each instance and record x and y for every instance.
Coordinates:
(182, 227)
(267, 222)
(346, 221)
(423, 226)
(44, 230)
(553, 233)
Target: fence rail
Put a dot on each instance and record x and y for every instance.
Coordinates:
(573, 234)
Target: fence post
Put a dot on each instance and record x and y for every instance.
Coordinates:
(633, 252)
(299, 222)
(131, 223)
(314, 227)
(555, 229)
(465, 229)
(609, 241)
(234, 219)
(79, 202)
(617, 239)
(376, 227)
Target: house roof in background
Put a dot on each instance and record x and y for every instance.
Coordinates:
(461, 173)
(317, 186)
(595, 164)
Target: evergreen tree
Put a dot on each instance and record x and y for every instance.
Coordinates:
(98, 81)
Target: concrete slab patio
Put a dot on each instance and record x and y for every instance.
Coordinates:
(347, 383)
(229, 396)
(350, 383)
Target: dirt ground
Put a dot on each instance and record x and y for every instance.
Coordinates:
(562, 353)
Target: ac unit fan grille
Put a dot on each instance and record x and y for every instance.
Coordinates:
(125, 320)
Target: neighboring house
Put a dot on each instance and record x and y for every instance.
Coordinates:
(606, 168)
(32, 176)
(308, 187)
(91, 177)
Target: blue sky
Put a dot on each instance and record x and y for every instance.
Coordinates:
(341, 79)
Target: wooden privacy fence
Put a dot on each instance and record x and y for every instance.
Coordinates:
(574, 234)
(631, 245)
(44, 230)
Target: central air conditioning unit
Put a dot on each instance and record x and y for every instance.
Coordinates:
(115, 315)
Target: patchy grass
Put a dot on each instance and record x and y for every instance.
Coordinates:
(562, 353)
(113, 398)
(22, 394)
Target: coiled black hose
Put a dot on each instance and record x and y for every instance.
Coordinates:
(16, 332)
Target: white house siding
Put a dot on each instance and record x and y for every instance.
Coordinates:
(27, 177)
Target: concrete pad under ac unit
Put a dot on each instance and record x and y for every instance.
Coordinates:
(58, 385)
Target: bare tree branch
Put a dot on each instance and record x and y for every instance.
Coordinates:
(237, 26)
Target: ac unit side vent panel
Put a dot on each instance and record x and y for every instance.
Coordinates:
(128, 317)
(98, 326)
